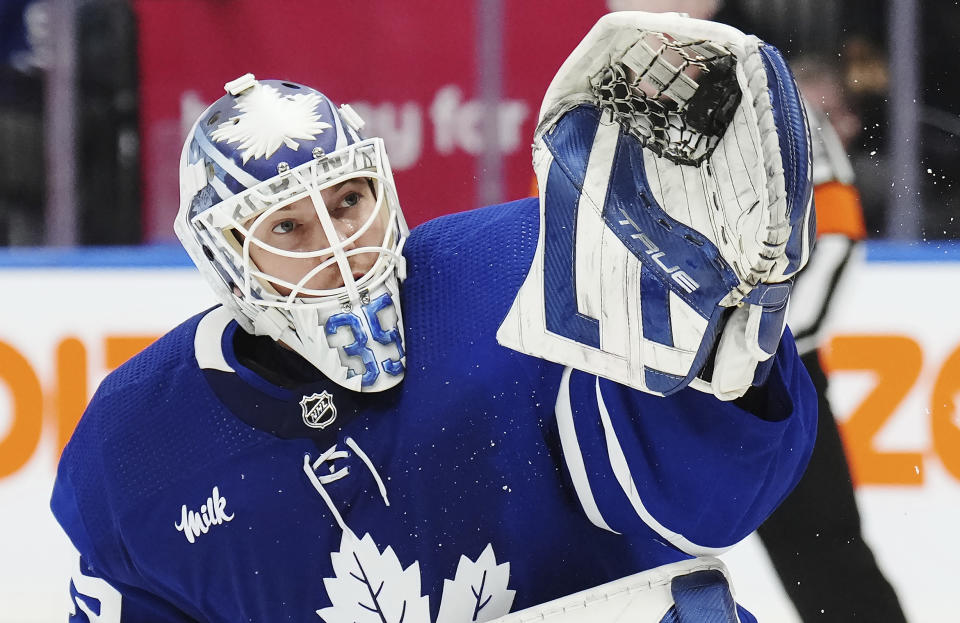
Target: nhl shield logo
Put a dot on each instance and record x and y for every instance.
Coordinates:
(318, 410)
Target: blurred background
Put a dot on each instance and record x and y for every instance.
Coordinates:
(96, 97)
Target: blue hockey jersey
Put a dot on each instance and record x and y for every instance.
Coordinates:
(486, 482)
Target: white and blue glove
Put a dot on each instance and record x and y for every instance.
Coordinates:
(673, 160)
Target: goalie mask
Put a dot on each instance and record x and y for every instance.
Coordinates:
(293, 219)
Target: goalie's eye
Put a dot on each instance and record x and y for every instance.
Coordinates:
(349, 200)
(284, 227)
(353, 195)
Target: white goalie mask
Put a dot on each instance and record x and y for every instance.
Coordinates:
(293, 219)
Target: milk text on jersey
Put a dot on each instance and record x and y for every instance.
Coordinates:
(195, 523)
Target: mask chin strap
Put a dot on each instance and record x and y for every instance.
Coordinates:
(333, 236)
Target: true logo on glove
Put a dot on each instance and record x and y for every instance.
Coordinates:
(681, 277)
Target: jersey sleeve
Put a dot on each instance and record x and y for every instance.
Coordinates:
(104, 587)
(95, 600)
(700, 473)
(95, 597)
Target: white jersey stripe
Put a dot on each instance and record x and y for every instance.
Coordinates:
(572, 455)
(618, 462)
(206, 342)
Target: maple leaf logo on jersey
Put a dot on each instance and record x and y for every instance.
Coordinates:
(371, 586)
(269, 119)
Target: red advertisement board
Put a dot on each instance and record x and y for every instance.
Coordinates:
(410, 68)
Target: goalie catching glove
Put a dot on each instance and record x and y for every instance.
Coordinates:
(673, 161)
